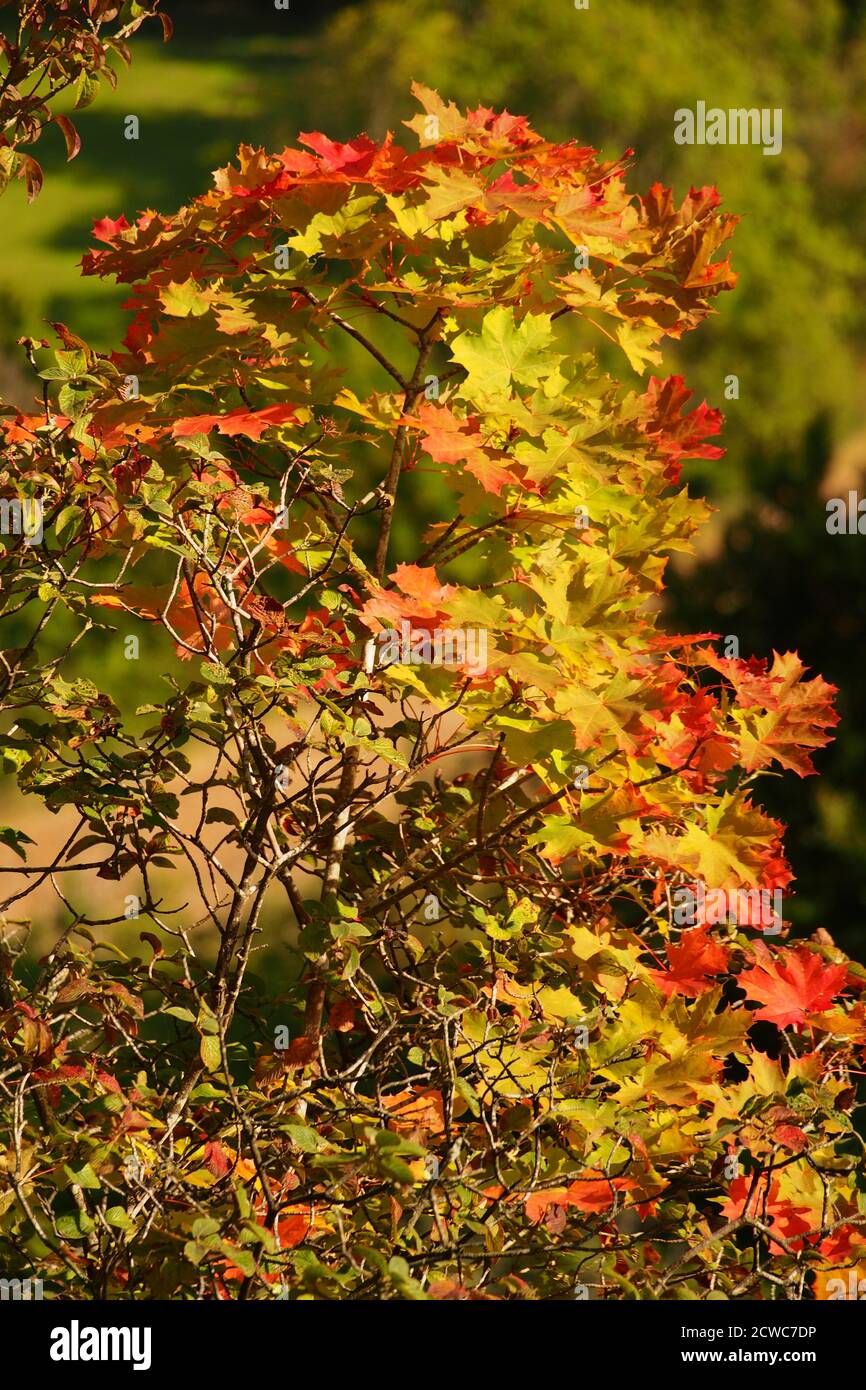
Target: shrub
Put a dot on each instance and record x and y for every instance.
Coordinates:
(522, 1027)
(58, 46)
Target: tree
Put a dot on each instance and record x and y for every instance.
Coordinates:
(58, 47)
(532, 1027)
(618, 73)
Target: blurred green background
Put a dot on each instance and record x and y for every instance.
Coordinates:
(611, 75)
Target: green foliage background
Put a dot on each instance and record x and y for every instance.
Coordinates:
(612, 75)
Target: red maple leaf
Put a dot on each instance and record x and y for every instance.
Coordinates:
(107, 228)
(593, 1193)
(843, 1246)
(797, 713)
(353, 159)
(596, 1192)
(762, 1200)
(251, 423)
(677, 436)
(696, 957)
(792, 987)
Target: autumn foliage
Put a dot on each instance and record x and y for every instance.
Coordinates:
(51, 48)
(366, 389)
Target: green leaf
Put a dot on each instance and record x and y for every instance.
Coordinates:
(216, 673)
(402, 1279)
(395, 1168)
(244, 1259)
(15, 839)
(68, 517)
(84, 1177)
(207, 1020)
(119, 1217)
(86, 89)
(205, 1226)
(505, 352)
(307, 1140)
(205, 1091)
(177, 1011)
(75, 1227)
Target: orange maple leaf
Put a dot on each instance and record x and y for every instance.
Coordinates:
(418, 596)
(451, 440)
(765, 1203)
(251, 423)
(592, 1193)
(690, 964)
(416, 1110)
(792, 988)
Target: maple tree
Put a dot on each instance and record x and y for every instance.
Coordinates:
(495, 1065)
(58, 46)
